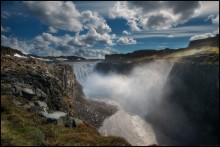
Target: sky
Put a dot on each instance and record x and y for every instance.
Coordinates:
(92, 29)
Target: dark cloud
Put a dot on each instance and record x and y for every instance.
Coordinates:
(154, 14)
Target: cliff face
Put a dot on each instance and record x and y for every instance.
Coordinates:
(43, 104)
(212, 41)
(190, 103)
(195, 88)
(47, 82)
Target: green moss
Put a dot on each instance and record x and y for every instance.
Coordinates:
(20, 127)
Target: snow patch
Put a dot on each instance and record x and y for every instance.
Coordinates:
(17, 55)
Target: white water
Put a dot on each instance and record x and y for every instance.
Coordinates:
(134, 94)
(82, 70)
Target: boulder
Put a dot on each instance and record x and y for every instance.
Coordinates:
(69, 122)
(42, 105)
(77, 122)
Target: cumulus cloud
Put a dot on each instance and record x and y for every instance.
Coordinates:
(154, 15)
(64, 15)
(16, 44)
(91, 38)
(48, 45)
(57, 14)
(5, 29)
(93, 20)
(46, 37)
(124, 40)
(52, 30)
(126, 32)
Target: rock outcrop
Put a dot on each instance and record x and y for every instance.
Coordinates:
(211, 41)
(35, 80)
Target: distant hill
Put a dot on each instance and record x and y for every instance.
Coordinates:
(11, 52)
(196, 44)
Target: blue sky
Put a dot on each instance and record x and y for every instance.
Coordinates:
(93, 29)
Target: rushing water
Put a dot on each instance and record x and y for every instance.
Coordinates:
(134, 94)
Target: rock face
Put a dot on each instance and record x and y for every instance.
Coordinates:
(49, 87)
(190, 103)
(195, 88)
(212, 41)
(34, 79)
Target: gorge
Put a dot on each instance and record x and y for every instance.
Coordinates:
(167, 97)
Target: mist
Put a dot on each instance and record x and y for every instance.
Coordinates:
(142, 95)
(136, 91)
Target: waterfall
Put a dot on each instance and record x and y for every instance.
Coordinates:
(135, 94)
(83, 69)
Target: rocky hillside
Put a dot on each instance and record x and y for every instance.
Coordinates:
(43, 104)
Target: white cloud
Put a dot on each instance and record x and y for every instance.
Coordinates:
(46, 37)
(101, 7)
(93, 20)
(205, 35)
(170, 36)
(5, 29)
(57, 14)
(125, 40)
(154, 15)
(215, 19)
(91, 38)
(126, 32)
(52, 30)
(201, 36)
(183, 31)
(16, 44)
(208, 8)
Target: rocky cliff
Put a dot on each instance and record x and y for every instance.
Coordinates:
(43, 104)
(211, 41)
(190, 104)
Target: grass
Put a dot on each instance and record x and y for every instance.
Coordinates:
(20, 127)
